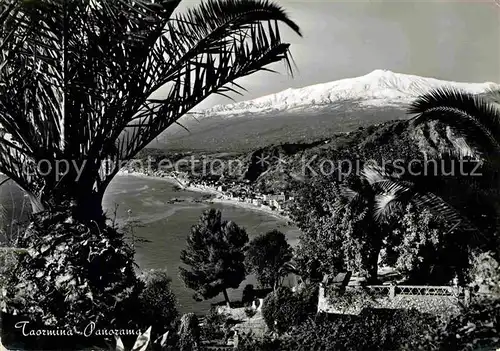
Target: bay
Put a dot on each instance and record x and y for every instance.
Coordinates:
(167, 225)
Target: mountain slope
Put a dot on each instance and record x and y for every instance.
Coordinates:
(377, 88)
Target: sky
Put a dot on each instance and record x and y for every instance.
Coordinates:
(450, 40)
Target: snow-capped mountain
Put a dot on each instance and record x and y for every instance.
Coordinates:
(377, 88)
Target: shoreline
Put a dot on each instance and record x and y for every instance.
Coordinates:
(251, 207)
(218, 197)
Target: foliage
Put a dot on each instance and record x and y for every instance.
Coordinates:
(83, 93)
(418, 240)
(425, 250)
(360, 241)
(382, 193)
(478, 328)
(14, 218)
(9, 259)
(214, 327)
(347, 299)
(215, 255)
(265, 256)
(346, 225)
(283, 309)
(250, 342)
(157, 304)
(380, 329)
(372, 330)
(335, 237)
(475, 120)
(61, 283)
(486, 271)
(319, 248)
(189, 333)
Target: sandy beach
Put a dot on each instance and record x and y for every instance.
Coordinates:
(248, 206)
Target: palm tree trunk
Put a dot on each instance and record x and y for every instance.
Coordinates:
(89, 208)
(372, 277)
(84, 204)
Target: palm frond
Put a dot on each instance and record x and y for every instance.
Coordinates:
(207, 50)
(492, 95)
(444, 210)
(471, 116)
(349, 194)
(391, 197)
(373, 174)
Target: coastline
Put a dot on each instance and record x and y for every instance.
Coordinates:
(251, 207)
(217, 196)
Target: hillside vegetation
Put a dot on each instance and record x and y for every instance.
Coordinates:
(249, 132)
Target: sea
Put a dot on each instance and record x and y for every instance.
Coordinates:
(161, 226)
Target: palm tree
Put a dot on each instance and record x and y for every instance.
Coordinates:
(384, 196)
(77, 80)
(476, 119)
(81, 85)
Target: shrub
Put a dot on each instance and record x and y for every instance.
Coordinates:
(486, 271)
(307, 301)
(189, 332)
(385, 329)
(157, 303)
(284, 309)
(373, 329)
(9, 258)
(74, 272)
(349, 299)
(214, 327)
(477, 328)
(249, 342)
(393, 329)
(417, 246)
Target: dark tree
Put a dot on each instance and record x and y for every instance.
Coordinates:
(215, 255)
(266, 255)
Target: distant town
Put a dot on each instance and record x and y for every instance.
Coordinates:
(223, 189)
